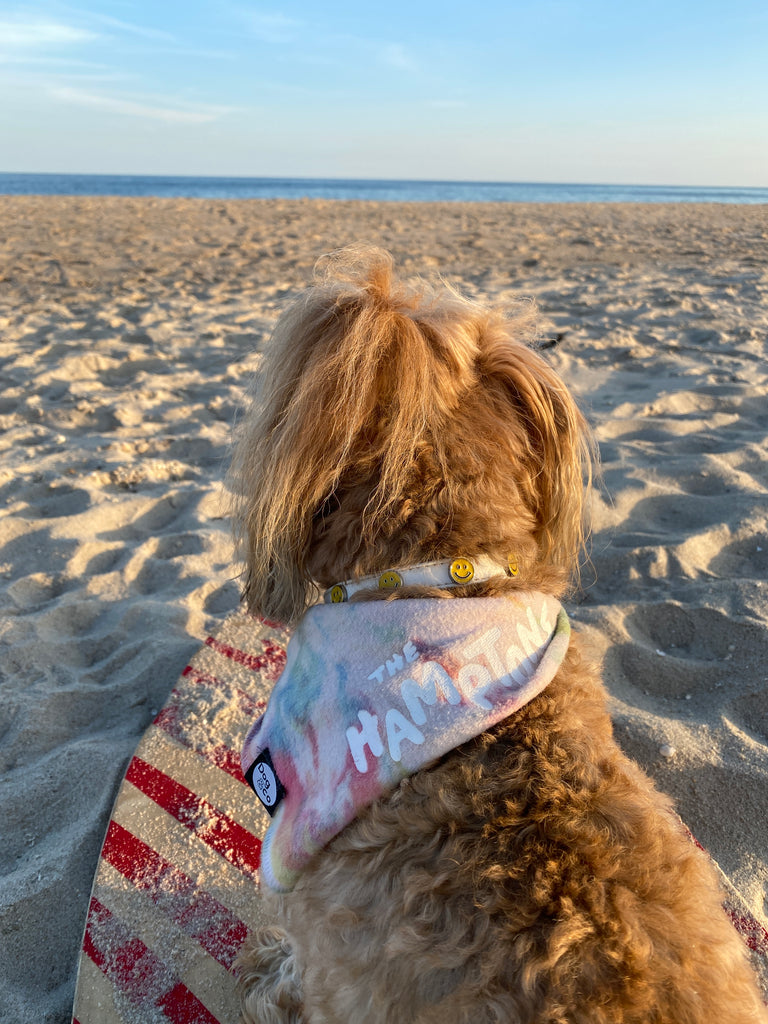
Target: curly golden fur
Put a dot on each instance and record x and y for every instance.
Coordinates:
(534, 875)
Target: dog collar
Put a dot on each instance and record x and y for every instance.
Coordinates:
(461, 570)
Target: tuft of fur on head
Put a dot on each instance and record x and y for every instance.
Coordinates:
(392, 424)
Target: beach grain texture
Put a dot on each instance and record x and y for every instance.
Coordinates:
(128, 331)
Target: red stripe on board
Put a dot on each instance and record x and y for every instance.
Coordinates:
(171, 720)
(751, 931)
(271, 661)
(227, 837)
(196, 912)
(136, 971)
(754, 936)
(182, 1007)
(270, 623)
(245, 702)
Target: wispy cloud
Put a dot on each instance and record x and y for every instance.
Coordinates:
(47, 62)
(197, 53)
(167, 42)
(128, 27)
(40, 34)
(147, 107)
(22, 37)
(395, 55)
(273, 27)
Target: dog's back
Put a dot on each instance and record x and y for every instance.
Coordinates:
(534, 876)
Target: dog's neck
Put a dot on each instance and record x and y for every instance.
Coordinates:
(454, 573)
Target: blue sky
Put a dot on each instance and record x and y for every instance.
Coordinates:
(614, 91)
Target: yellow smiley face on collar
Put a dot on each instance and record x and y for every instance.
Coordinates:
(461, 570)
(390, 580)
(338, 593)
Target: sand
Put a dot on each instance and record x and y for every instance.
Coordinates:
(128, 330)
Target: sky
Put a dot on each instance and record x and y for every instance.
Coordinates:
(604, 91)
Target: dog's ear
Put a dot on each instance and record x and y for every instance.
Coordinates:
(553, 470)
(283, 465)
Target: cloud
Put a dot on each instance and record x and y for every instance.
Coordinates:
(129, 28)
(272, 28)
(156, 109)
(396, 56)
(51, 62)
(166, 42)
(35, 35)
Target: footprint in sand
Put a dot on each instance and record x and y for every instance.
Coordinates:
(745, 557)
(678, 652)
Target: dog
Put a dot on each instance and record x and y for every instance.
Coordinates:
(456, 836)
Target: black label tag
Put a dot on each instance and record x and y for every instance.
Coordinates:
(264, 781)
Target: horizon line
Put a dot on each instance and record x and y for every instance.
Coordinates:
(372, 180)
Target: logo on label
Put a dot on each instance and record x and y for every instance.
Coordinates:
(265, 782)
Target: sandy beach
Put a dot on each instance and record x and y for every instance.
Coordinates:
(128, 332)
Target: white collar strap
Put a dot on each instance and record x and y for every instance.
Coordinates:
(455, 573)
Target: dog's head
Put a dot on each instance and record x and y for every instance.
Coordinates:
(392, 425)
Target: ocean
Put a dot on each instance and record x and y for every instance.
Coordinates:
(386, 191)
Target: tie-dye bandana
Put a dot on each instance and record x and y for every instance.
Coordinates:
(373, 691)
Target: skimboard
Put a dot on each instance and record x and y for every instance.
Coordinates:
(176, 887)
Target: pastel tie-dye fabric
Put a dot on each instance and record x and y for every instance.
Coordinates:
(373, 691)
